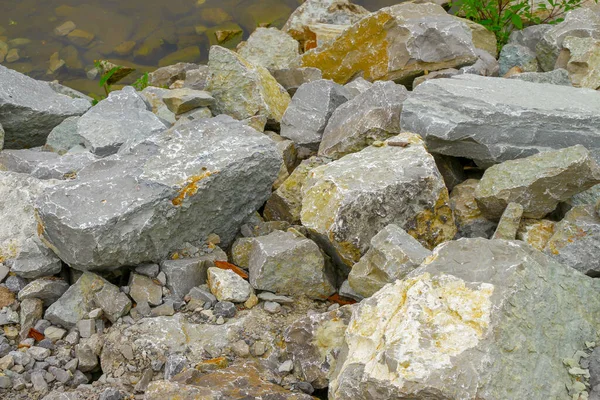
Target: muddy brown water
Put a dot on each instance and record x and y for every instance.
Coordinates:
(152, 32)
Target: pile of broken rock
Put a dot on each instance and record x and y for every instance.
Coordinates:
(320, 223)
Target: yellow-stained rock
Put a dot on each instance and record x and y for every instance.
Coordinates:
(536, 232)
(470, 221)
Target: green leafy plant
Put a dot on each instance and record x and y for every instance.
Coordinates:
(504, 16)
(110, 74)
(141, 83)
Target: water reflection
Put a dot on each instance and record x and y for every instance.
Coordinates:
(60, 39)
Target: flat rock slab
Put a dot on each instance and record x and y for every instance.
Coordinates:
(30, 109)
(173, 188)
(492, 120)
(347, 202)
(475, 321)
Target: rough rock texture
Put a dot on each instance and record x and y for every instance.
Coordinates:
(153, 97)
(486, 65)
(529, 36)
(284, 263)
(24, 161)
(372, 115)
(292, 78)
(538, 182)
(515, 55)
(509, 222)
(30, 109)
(20, 247)
(270, 48)
(243, 90)
(226, 285)
(536, 232)
(120, 118)
(182, 100)
(582, 22)
(143, 289)
(166, 76)
(311, 108)
(76, 302)
(347, 202)
(113, 302)
(168, 190)
(493, 120)
(443, 73)
(393, 254)
(557, 77)
(396, 43)
(584, 61)
(475, 321)
(182, 275)
(64, 136)
(314, 343)
(285, 204)
(576, 241)
(48, 290)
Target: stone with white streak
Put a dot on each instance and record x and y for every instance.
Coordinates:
(226, 285)
(475, 321)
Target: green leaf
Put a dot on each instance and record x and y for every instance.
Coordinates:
(516, 20)
(107, 75)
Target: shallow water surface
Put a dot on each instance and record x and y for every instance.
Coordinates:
(139, 33)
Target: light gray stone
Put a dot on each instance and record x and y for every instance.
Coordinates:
(475, 287)
(153, 97)
(61, 375)
(8, 316)
(39, 353)
(557, 77)
(164, 310)
(346, 290)
(54, 333)
(311, 107)
(292, 78)
(112, 394)
(515, 55)
(284, 263)
(143, 289)
(271, 307)
(113, 302)
(30, 312)
(538, 182)
(24, 161)
(64, 136)
(48, 290)
(583, 22)
(76, 303)
(486, 65)
(3, 272)
(202, 112)
(120, 118)
(270, 48)
(182, 100)
(39, 383)
(347, 202)
(184, 274)
(166, 76)
(358, 86)
(226, 285)
(443, 73)
(87, 360)
(20, 246)
(453, 116)
(393, 255)
(268, 296)
(65, 167)
(86, 327)
(314, 343)
(509, 222)
(529, 36)
(196, 78)
(150, 270)
(371, 116)
(30, 109)
(168, 189)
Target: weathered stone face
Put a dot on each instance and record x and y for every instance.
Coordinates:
(243, 90)
(30, 109)
(396, 43)
(173, 188)
(310, 110)
(314, 343)
(536, 232)
(120, 118)
(393, 254)
(370, 116)
(20, 247)
(509, 222)
(346, 202)
(576, 241)
(584, 61)
(473, 322)
(538, 182)
(270, 48)
(454, 116)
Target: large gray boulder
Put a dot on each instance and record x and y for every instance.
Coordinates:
(30, 109)
(174, 187)
(20, 246)
(480, 319)
(309, 111)
(347, 202)
(493, 119)
(538, 182)
(120, 118)
(372, 115)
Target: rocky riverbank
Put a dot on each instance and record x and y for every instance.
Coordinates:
(358, 206)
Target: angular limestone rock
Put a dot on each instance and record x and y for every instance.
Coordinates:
(143, 289)
(226, 285)
(48, 290)
(515, 55)
(538, 183)
(557, 77)
(396, 43)
(243, 90)
(576, 241)
(393, 254)
(120, 118)
(314, 343)
(493, 120)
(64, 136)
(113, 302)
(182, 100)
(76, 303)
(536, 232)
(292, 78)
(584, 62)
(473, 322)
(20, 246)
(30, 109)
(284, 263)
(311, 108)
(347, 202)
(372, 115)
(509, 222)
(285, 204)
(270, 48)
(24, 161)
(172, 188)
(182, 275)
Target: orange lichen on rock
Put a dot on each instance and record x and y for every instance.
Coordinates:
(232, 267)
(191, 187)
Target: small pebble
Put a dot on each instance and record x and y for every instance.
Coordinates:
(272, 307)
